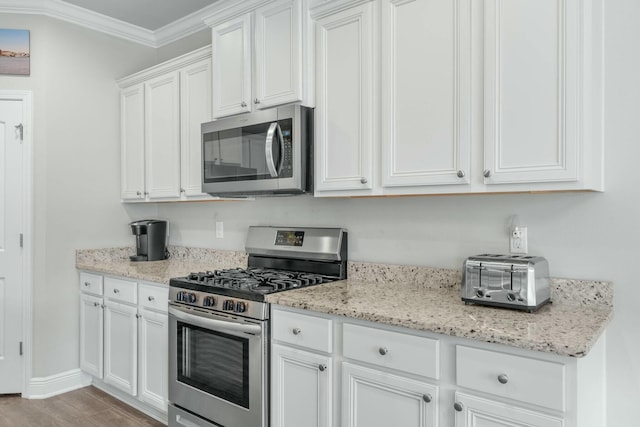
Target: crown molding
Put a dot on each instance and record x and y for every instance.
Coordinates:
(63, 11)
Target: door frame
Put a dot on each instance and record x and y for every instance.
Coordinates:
(26, 206)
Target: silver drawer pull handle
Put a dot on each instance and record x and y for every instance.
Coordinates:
(322, 367)
(383, 350)
(296, 331)
(116, 291)
(151, 298)
(427, 398)
(503, 378)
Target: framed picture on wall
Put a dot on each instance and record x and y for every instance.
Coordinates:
(15, 57)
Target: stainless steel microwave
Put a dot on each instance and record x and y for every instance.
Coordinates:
(265, 152)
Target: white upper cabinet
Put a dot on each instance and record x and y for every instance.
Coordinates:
(231, 44)
(536, 77)
(162, 131)
(345, 99)
(162, 109)
(278, 76)
(260, 58)
(456, 96)
(426, 92)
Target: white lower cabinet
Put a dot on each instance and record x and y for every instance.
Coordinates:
(375, 398)
(474, 411)
(381, 376)
(301, 388)
(124, 339)
(120, 346)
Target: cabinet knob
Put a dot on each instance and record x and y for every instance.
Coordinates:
(87, 284)
(138, 193)
(486, 173)
(322, 367)
(95, 304)
(296, 331)
(383, 350)
(256, 101)
(244, 104)
(503, 378)
(151, 298)
(427, 398)
(460, 174)
(458, 406)
(182, 190)
(146, 193)
(116, 291)
(363, 180)
(138, 316)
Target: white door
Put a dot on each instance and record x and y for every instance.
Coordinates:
(154, 351)
(300, 387)
(345, 99)
(231, 44)
(11, 280)
(162, 136)
(373, 398)
(120, 346)
(477, 412)
(278, 46)
(91, 329)
(426, 92)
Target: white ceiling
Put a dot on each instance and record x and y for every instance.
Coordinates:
(149, 14)
(150, 22)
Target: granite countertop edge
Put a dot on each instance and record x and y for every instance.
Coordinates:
(420, 298)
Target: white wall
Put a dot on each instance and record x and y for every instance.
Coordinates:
(76, 163)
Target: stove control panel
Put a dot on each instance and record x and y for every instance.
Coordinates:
(206, 300)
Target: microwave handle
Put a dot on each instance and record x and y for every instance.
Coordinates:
(274, 130)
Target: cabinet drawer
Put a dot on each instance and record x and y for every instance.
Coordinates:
(538, 382)
(393, 350)
(91, 283)
(153, 297)
(304, 330)
(120, 290)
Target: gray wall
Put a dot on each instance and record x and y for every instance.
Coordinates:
(583, 235)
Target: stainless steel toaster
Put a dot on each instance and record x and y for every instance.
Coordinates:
(513, 281)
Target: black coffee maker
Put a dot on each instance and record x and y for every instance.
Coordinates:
(151, 238)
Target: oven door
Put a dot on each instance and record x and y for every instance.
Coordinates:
(218, 366)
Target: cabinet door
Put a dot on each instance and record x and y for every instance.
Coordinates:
(532, 90)
(345, 100)
(195, 100)
(300, 388)
(426, 98)
(231, 44)
(372, 398)
(91, 324)
(120, 346)
(154, 371)
(162, 136)
(132, 142)
(278, 50)
(477, 412)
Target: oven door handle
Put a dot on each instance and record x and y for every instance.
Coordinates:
(274, 131)
(214, 324)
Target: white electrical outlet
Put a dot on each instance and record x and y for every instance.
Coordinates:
(219, 230)
(518, 240)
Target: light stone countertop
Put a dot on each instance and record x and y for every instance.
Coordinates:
(428, 299)
(421, 298)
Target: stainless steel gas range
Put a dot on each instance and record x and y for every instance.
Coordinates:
(219, 324)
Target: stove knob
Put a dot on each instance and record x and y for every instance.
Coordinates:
(209, 301)
(180, 296)
(190, 297)
(228, 305)
(480, 293)
(241, 307)
(511, 296)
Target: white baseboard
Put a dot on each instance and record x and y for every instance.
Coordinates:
(41, 388)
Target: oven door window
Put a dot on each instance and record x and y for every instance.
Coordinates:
(214, 362)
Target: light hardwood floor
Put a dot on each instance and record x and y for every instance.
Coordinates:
(87, 406)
